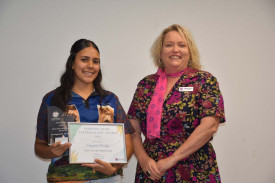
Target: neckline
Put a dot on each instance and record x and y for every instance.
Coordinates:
(74, 94)
(176, 74)
(187, 73)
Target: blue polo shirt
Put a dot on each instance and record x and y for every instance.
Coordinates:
(87, 111)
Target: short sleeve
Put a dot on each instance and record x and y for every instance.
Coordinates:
(121, 117)
(42, 122)
(134, 109)
(211, 100)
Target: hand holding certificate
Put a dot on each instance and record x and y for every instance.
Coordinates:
(104, 141)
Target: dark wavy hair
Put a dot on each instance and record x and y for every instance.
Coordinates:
(62, 93)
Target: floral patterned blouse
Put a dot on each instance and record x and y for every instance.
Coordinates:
(181, 114)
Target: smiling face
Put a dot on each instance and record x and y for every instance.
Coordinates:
(86, 66)
(175, 52)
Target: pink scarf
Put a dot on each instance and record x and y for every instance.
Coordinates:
(155, 107)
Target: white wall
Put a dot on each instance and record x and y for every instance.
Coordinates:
(236, 40)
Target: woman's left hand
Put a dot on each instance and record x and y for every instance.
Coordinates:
(102, 166)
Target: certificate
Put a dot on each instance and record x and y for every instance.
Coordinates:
(104, 141)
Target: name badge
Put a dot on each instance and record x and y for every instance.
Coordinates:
(183, 89)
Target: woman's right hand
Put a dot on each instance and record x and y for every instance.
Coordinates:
(57, 149)
(43, 150)
(149, 165)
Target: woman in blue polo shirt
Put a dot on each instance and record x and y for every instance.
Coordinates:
(81, 95)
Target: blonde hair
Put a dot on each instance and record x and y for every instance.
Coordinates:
(156, 48)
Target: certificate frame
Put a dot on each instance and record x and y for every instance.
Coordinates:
(104, 141)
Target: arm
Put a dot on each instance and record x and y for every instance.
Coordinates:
(41, 147)
(43, 150)
(129, 150)
(147, 163)
(129, 146)
(201, 135)
(211, 113)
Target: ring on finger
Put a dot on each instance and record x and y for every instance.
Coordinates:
(148, 173)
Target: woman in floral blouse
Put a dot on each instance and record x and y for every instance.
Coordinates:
(178, 109)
